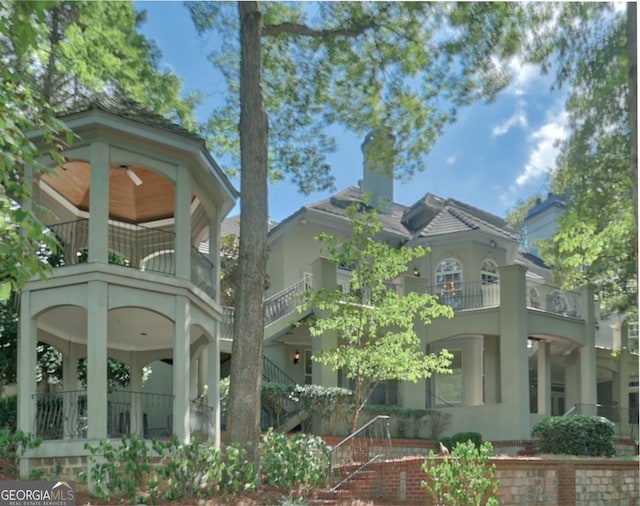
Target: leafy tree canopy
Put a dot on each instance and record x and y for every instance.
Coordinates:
(375, 324)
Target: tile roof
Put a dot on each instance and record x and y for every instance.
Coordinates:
(455, 218)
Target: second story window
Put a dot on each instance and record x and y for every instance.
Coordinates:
(449, 281)
(489, 272)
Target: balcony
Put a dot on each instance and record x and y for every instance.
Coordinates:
(550, 299)
(134, 246)
(468, 295)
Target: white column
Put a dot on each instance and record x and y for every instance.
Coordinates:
(99, 203)
(571, 380)
(324, 276)
(70, 387)
(181, 344)
(214, 251)
(213, 382)
(97, 360)
(135, 385)
(27, 359)
(183, 223)
(514, 368)
(544, 378)
(588, 379)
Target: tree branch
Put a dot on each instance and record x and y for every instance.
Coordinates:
(307, 31)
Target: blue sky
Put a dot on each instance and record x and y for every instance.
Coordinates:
(492, 156)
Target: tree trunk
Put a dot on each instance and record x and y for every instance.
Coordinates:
(243, 425)
(632, 53)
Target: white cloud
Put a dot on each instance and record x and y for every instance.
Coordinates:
(519, 118)
(542, 156)
(450, 160)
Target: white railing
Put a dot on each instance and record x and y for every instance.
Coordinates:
(551, 299)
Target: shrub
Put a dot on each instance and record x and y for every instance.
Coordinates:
(462, 479)
(8, 412)
(462, 437)
(590, 436)
(13, 445)
(298, 461)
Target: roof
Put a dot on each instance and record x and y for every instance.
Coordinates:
(338, 203)
(530, 260)
(130, 109)
(551, 201)
(457, 217)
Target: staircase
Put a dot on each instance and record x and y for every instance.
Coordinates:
(352, 474)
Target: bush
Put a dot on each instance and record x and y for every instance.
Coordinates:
(462, 437)
(464, 478)
(13, 445)
(8, 412)
(589, 436)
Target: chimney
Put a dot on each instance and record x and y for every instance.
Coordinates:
(378, 148)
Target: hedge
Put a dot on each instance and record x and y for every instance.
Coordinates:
(583, 435)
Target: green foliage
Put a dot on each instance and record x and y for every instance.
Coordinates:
(9, 412)
(410, 421)
(172, 470)
(298, 461)
(124, 467)
(462, 479)
(378, 341)
(452, 442)
(13, 445)
(589, 436)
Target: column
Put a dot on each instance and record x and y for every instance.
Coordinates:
(571, 380)
(181, 370)
(491, 370)
(72, 394)
(621, 375)
(324, 276)
(214, 251)
(97, 360)
(213, 382)
(514, 373)
(588, 379)
(99, 203)
(137, 401)
(544, 378)
(182, 214)
(27, 359)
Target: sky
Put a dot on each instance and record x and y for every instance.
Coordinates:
(493, 156)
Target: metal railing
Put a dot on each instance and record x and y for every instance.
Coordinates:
(201, 417)
(63, 415)
(625, 419)
(135, 246)
(370, 443)
(467, 295)
(278, 306)
(285, 302)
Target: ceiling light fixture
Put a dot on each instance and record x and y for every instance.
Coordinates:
(132, 175)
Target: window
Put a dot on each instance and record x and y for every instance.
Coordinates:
(449, 282)
(450, 387)
(308, 367)
(489, 272)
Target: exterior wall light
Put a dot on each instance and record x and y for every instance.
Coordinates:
(296, 357)
(416, 272)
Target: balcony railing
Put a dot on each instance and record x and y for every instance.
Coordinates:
(135, 246)
(201, 417)
(467, 295)
(551, 299)
(63, 415)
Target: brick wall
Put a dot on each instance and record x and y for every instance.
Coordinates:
(561, 482)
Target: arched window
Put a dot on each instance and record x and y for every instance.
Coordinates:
(489, 272)
(449, 282)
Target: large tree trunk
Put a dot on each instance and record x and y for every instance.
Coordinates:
(243, 425)
(632, 53)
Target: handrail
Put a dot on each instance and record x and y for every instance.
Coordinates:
(358, 451)
(572, 410)
(361, 429)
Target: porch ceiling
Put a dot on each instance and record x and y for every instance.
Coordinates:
(152, 200)
(128, 328)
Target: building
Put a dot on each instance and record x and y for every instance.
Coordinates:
(523, 348)
(135, 197)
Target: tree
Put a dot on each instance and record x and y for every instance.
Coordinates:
(596, 241)
(375, 325)
(298, 67)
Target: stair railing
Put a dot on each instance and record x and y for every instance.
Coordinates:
(370, 443)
